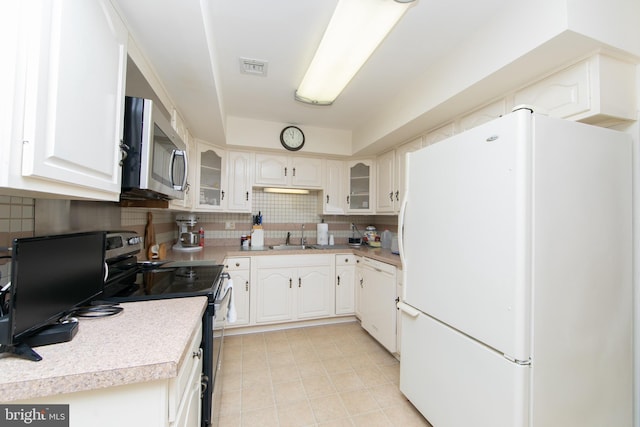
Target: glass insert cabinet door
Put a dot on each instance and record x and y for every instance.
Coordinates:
(359, 197)
(211, 192)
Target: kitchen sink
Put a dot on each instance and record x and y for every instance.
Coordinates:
(291, 247)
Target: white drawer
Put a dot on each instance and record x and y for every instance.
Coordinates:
(345, 259)
(239, 263)
(179, 384)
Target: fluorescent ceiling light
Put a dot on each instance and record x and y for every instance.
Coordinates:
(356, 29)
(285, 190)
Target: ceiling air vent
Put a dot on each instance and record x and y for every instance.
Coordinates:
(253, 66)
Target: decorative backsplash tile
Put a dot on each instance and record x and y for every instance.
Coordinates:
(16, 220)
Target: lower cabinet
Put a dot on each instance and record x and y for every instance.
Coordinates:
(239, 270)
(174, 402)
(294, 287)
(378, 301)
(345, 283)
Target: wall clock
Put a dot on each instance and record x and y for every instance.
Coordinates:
(292, 138)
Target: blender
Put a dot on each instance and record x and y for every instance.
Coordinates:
(188, 236)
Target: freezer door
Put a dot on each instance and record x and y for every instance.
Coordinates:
(454, 381)
(467, 233)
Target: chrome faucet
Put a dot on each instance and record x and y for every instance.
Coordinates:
(302, 242)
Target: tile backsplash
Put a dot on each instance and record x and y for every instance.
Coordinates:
(16, 220)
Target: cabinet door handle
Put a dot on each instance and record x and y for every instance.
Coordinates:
(327, 199)
(204, 384)
(222, 197)
(290, 281)
(246, 286)
(347, 200)
(197, 354)
(391, 196)
(237, 264)
(294, 171)
(285, 171)
(124, 150)
(397, 198)
(338, 280)
(346, 260)
(299, 282)
(247, 196)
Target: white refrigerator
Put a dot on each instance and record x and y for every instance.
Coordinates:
(516, 244)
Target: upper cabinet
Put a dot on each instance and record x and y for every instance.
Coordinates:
(285, 171)
(240, 177)
(68, 99)
(390, 170)
(361, 180)
(598, 90)
(386, 190)
(211, 179)
(333, 201)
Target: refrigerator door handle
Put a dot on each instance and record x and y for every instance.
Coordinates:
(403, 209)
(406, 308)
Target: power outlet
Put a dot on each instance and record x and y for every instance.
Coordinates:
(228, 225)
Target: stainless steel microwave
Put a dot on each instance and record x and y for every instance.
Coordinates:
(155, 166)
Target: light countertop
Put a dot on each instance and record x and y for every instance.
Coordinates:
(147, 341)
(219, 253)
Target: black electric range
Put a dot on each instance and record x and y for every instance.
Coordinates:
(131, 280)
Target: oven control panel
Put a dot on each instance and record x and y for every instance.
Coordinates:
(122, 243)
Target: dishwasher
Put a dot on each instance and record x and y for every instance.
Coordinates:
(378, 298)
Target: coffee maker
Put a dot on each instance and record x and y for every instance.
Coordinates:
(188, 236)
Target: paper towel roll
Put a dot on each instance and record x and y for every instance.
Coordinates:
(257, 238)
(323, 233)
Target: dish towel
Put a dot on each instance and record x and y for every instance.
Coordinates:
(232, 315)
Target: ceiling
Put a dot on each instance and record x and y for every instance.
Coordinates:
(194, 47)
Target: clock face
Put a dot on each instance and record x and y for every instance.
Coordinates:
(292, 138)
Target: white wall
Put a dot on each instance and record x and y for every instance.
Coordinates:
(260, 134)
(526, 41)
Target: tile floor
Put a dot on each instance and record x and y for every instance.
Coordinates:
(334, 375)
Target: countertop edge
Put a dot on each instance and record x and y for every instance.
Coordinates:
(163, 361)
(219, 253)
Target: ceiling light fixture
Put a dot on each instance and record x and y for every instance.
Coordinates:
(356, 29)
(285, 190)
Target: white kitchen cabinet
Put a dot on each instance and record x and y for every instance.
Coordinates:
(399, 297)
(211, 178)
(439, 134)
(386, 182)
(361, 179)
(315, 293)
(274, 294)
(345, 283)
(333, 202)
(390, 168)
(598, 90)
(287, 171)
(359, 284)
(240, 177)
(378, 301)
(171, 402)
(66, 85)
(294, 287)
(482, 115)
(239, 269)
